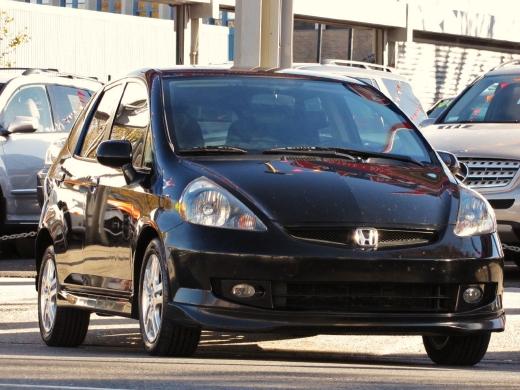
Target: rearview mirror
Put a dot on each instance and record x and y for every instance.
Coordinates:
(23, 124)
(459, 170)
(115, 153)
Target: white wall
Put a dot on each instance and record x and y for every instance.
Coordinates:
(90, 43)
(213, 44)
(438, 71)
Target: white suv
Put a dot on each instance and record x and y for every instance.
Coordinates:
(384, 78)
(37, 109)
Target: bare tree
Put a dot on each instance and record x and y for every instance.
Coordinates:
(9, 40)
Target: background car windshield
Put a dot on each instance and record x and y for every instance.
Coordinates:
(402, 94)
(260, 113)
(493, 99)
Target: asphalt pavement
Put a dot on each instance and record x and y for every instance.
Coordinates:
(112, 355)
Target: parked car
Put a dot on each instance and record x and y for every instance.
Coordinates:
(259, 201)
(37, 110)
(384, 78)
(439, 106)
(481, 127)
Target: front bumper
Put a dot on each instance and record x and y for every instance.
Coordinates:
(201, 308)
(199, 276)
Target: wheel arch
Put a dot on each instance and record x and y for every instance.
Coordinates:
(147, 234)
(43, 240)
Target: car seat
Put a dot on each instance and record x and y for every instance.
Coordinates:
(188, 133)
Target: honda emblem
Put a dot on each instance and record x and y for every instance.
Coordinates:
(367, 238)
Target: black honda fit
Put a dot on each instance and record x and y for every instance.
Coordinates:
(262, 201)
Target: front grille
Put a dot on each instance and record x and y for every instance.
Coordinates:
(388, 238)
(365, 297)
(484, 173)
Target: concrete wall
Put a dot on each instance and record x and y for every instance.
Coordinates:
(213, 44)
(438, 71)
(90, 43)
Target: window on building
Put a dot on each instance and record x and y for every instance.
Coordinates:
(305, 41)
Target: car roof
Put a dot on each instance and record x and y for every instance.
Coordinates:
(510, 70)
(227, 70)
(48, 76)
(352, 71)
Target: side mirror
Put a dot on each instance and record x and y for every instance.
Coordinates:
(115, 153)
(427, 122)
(459, 170)
(23, 124)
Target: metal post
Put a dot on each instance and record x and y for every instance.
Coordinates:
(350, 43)
(319, 44)
(286, 36)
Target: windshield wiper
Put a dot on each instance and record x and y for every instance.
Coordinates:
(352, 154)
(313, 151)
(367, 154)
(220, 149)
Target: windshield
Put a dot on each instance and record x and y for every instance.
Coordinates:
(261, 113)
(402, 94)
(493, 99)
(439, 107)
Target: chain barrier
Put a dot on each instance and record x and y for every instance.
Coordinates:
(511, 248)
(16, 236)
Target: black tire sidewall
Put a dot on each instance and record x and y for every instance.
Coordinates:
(155, 247)
(48, 255)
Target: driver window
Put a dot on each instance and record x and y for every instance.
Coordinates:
(132, 121)
(29, 102)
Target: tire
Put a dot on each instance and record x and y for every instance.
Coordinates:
(59, 326)
(161, 336)
(457, 350)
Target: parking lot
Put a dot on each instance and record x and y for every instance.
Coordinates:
(112, 355)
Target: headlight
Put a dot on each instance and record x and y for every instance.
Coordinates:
(53, 151)
(475, 215)
(205, 203)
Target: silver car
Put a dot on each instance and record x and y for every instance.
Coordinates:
(37, 110)
(482, 128)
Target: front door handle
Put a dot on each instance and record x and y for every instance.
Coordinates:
(93, 185)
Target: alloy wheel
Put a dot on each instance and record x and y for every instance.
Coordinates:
(152, 298)
(48, 295)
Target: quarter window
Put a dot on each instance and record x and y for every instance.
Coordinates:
(132, 121)
(29, 102)
(97, 127)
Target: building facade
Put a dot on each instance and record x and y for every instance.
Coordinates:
(439, 45)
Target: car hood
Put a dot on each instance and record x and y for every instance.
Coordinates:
(335, 191)
(487, 140)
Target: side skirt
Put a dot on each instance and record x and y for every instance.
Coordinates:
(96, 303)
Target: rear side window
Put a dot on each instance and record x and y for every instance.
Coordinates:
(29, 102)
(96, 131)
(402, 94)
(67, 103)
(132, 120)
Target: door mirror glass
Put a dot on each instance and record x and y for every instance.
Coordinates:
(115, 153)
(23, 124)
(459, 170)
